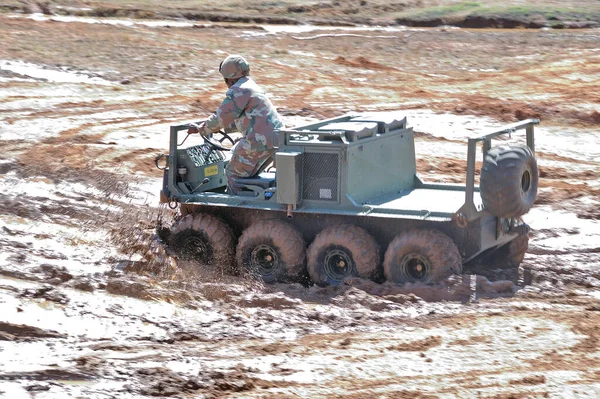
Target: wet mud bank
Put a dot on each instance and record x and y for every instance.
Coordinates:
(500, 22)
(159, 338)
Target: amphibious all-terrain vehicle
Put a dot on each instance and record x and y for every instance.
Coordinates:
(343, 198)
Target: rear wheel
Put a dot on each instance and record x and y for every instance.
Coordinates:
(503, 263)
(272, 250)
(426, 256)
(517, 249)
(342, 251)
(509, 181)
(203, 238)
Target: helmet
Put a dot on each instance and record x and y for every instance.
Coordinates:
(234, 67)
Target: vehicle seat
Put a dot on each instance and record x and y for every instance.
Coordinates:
(256, 185)
(264, 180)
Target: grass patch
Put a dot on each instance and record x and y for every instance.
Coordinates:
(463, 8)
(475, 8)
(550, 13)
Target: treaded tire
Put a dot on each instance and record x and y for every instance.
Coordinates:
(347, 244)
(423, 255)
(205, 239)
(502, 263)
(517, 249)
(509, 181)
(272, 250)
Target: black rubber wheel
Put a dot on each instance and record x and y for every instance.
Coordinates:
(517, 249)
(342, 251)
(502, 263)
(509, 181)
(426, 256)
(510, 258)
(272, 250)
(205, 239)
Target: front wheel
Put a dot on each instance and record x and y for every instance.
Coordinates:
(342, 251)
(203, 238)
(426, 256)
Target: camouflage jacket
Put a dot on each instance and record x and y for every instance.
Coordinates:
(253, 114)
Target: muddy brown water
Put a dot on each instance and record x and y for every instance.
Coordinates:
(91, 308)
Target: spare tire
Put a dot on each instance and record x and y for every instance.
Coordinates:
(509, 181)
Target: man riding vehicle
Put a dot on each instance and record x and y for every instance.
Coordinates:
(247, 109)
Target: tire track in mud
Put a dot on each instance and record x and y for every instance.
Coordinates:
(506, 109)
(456, 93)
(358, 348)
(88, 109)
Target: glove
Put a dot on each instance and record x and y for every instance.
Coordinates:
(196, 128)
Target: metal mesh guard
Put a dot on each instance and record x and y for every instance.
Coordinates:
(202, 155)
(320, 176)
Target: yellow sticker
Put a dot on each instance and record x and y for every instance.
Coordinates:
(211, 170)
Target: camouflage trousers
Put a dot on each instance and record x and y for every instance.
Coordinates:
(245, 162)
